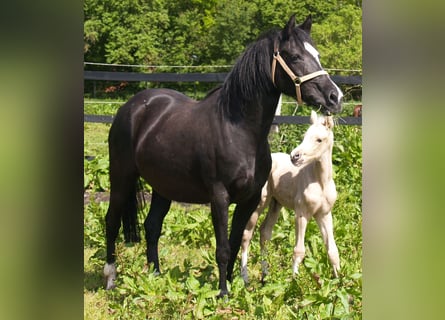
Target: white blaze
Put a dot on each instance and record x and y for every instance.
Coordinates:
(309, 48)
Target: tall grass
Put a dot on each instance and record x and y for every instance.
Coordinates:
(188, 284)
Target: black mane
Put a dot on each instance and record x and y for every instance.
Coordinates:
(249, 77)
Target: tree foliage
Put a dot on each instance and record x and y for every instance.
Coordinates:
(204, 32)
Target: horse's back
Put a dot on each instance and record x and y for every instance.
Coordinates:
(168, 132)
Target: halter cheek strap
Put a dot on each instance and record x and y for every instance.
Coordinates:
(297, 80)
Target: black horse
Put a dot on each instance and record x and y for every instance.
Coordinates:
(210, 151)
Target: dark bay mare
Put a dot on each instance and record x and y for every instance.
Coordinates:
(210, 151)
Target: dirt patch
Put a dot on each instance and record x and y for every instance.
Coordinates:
(89, 196)
(97, 197)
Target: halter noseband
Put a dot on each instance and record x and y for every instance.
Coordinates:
(297, 80)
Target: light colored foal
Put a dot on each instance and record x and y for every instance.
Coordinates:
(302, 182)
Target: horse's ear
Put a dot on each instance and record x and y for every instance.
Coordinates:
(288, 29)
(307, 24)
(313, 117)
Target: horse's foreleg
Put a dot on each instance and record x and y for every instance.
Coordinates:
(159, 208)
(219, 208)
(241, 216)
(299, 250)
(266, 233)
(327, 231)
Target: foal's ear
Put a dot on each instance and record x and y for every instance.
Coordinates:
(288, 29)
(313, 117)
(329, 122)
(307, 24)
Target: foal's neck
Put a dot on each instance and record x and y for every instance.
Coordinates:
(323, 168)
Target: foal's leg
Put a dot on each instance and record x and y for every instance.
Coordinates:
(301, 221)
(248, 233)
(247, 236)
(327, 231)
(266, 233)
(153, 225)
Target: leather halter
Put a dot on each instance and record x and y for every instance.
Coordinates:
(296, 79)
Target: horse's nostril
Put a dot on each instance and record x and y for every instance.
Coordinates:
(333, 97)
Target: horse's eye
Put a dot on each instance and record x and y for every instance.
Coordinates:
(319, 140)
(295, 58)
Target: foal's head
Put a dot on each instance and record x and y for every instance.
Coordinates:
(318, 140)
(306, 80)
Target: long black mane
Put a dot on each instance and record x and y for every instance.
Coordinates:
(249, 77)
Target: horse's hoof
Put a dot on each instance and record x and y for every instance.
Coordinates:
(110, 285)
(110, 275)
(223, 294)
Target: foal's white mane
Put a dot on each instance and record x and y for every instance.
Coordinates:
(302, 182)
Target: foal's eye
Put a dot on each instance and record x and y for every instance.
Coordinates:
(319, 140)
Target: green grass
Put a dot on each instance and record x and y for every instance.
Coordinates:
(187, 287)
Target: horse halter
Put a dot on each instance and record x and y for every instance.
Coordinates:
(296, 79)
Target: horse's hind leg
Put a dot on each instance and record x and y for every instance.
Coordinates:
(112, 224)
(116, 211)
(122, 207)
(266, 233)
(159, 208)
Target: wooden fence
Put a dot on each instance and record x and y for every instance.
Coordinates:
(204, 77)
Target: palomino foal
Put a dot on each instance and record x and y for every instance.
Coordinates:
(302, 182)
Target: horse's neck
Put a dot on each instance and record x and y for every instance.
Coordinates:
(255, 115)
(323, 168)
(259, 114)
(248, 96)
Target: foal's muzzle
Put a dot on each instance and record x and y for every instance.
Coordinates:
(296, 158)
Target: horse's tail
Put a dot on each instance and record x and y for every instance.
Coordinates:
(142, 203)
(130, 221)
(126, 196)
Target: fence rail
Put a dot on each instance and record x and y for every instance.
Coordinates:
(216, 77)
(185, 77)
(354, 121)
